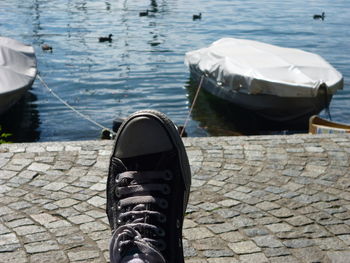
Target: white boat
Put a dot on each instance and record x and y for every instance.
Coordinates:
(279, 84)
(17, 71)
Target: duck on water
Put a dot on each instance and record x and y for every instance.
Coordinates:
(144, 13)
(46, 47)
(105, 39)
(320, 16)
(197, 17)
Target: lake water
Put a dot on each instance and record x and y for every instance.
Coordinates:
(143, 66)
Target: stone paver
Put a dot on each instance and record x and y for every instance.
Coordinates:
(253, 199)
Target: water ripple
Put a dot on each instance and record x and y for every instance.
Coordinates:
(143, 66)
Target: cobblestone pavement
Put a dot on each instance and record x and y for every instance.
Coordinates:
(253, 199)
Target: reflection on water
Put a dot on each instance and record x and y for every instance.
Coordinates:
(221, 118)
(211, 119)
(22, 120)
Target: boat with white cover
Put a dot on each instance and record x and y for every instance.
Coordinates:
(18, 70)
(277, 83)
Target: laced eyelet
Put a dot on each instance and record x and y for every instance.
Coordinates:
(160, 232)
(161, 218)
(163, 203)
(168, 175)
(166, 190)
(161, 245)
(117, 193)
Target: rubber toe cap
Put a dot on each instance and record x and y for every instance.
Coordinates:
(142, 136)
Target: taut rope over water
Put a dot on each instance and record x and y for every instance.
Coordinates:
(72, 108)
(105, 128)
(192, 106)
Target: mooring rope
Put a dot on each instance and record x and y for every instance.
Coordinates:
(72, 108)
(192, 106)
(105, 128)
(326, 97)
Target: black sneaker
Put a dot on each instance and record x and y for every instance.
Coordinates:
(147, 190)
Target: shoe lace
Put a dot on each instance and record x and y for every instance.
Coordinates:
(139, 212)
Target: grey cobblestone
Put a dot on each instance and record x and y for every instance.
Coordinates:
(31, 229)
(298, 243)
(18, 256)
(310, 254)
(255, 231)
(253, 199)
(40, 247)
(244, 247)
(282, 213)
(279, 227)
(277, 252)
(339, 256)
(232, 237)
(83, 255)
(52, 256)
(43, 236)
(8, 239)
(256, 258)
(267, 241)
(217, 253)
(330, 243)
(299, 220)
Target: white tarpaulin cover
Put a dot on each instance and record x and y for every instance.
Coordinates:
(253, 67)
(17, 65)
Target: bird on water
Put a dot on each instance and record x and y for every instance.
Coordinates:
(144, 13)
(105, 39)
(46, 47)
(197, 17)
(320, 16)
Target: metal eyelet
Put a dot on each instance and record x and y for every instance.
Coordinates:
(119, 221)
(117, 193)
(166, 189)
(168, 175)
(160, 232)
(161, 245)
(163, 203)
(161, 218)
(119, 207)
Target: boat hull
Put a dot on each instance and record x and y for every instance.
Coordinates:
(270, 107)
(9, 99)
(18, 70)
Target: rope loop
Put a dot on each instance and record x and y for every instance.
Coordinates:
(324, 87)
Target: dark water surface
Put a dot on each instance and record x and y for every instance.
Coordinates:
(143, 66)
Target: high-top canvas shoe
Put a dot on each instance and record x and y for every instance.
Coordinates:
(147, 190)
